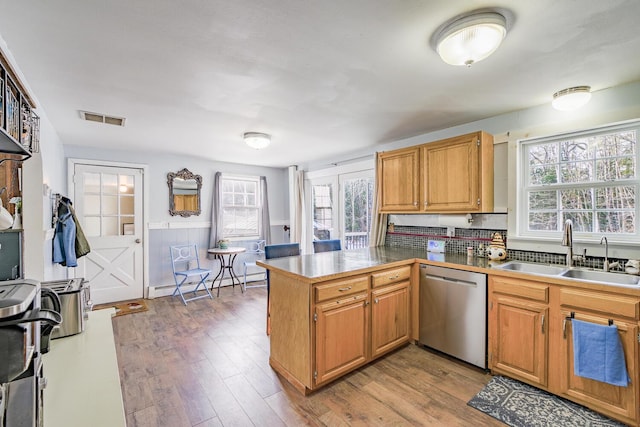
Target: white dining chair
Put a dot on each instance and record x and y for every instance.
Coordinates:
(185, 264)
(254, 253)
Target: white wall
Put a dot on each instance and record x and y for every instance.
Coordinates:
(160, 164)
(44, 175)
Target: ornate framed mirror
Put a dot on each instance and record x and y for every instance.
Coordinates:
(184, 193)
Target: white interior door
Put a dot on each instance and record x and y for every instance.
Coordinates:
(108, 203)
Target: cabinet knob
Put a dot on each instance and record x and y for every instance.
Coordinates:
(415, 203)
(344, 289)
(375, 300)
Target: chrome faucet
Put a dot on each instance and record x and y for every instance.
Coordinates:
(567, 240)
(605, 266)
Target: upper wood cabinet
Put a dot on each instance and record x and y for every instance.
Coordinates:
(399, 180)
(447, 176)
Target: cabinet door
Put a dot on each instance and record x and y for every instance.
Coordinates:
(399, 180)
(618, 402)
(389, 317)
(451, 180)
(518, 338)
(341, 331)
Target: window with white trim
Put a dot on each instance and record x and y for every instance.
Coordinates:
(241, 208)
(590, 177)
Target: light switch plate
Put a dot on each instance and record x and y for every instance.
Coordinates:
(435, 246)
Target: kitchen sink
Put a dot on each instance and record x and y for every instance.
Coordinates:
(528, 267)
(582, 274)
(602, 277)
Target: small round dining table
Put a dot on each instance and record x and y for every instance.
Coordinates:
(226, 256)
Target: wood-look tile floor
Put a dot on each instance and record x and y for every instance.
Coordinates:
(207, 364)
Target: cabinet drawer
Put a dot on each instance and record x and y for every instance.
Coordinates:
(608, 304)
(520, 288)
(391, 276)
(341, 288)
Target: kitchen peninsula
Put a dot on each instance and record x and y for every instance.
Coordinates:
(335, 311)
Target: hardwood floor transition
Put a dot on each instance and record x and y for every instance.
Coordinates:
(207, 364)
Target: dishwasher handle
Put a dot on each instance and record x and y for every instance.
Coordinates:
(452, 281)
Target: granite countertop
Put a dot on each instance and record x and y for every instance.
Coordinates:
(327, 265)
(312, 268)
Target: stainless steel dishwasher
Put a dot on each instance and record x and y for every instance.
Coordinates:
(453, 313)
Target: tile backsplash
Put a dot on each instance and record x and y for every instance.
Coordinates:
(417, 237)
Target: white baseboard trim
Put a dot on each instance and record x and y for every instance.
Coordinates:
(166, 290)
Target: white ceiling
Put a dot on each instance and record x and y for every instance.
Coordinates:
(324, 78)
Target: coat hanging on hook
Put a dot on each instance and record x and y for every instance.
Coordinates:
(69, 241)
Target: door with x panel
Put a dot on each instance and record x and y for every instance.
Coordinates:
(109, 208)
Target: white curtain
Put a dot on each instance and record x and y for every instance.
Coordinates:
(265, 225)
(298, 222)
(378, 220)
(216, 214)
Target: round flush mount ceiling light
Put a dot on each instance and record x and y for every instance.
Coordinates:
(257, 140)
(571, 98)
(471, 38)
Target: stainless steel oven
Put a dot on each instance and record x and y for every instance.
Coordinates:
(23, 404)
(21, 374)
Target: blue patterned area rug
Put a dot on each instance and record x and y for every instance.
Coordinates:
(520, 405)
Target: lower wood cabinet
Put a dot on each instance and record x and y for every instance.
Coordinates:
(342, 331)
(389, 318)
(322, 330)
(519, 344)
(530, 339)
(613, 400)
(601, 308)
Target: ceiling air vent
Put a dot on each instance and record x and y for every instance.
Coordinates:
(102, 118)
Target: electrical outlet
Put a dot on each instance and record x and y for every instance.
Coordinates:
(451, 231)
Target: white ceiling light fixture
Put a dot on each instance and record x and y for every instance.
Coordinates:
(571, 98)
(471, 38)
(257, 140)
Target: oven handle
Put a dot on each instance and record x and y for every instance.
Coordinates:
(48, 316)
(451, 281)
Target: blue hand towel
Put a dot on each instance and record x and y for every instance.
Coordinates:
(598, 353)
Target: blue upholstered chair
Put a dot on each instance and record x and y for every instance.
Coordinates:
(280, 250)
(326, 245)
(185, 264)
